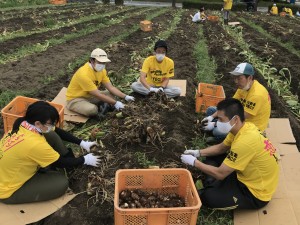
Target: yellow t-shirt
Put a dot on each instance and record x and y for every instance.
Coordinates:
(227, 4)
(289, 11)
(257, 103)
(274, 10)
(20, 157)
(157, 72)
(85, 79)
(255, 160)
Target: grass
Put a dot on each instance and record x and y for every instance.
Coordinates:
(206, 66)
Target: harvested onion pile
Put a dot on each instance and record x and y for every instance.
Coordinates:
(142, 199)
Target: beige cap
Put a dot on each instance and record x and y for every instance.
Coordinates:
(100, 55)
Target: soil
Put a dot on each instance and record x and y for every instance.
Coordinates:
(178, 123)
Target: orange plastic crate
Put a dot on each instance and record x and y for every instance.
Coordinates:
(163, 181)
(58, 2)
(282, 14)
(213, 18)
(208, 95)
(146, 25)
(17, 108)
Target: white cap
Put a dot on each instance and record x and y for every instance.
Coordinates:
(100, 55)
(274, 4)
(243, 69)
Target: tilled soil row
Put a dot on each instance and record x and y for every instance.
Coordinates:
(281, 57)
(55, 60)
(214, 33)
(12, 45)
(284, 31)
(181, 46)
(39, 10)
(31, 21)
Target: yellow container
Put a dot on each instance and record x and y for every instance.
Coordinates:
(208, 95)
(163, 181)
(146, 25)
(17, 108)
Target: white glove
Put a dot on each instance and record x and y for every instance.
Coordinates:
(152, 89)
(91, 160)
(208, 119)
(119, 105)
(129, 98)
(195, 153)
(161, 89)
(188, 159)
(87, 145)
(209, 126)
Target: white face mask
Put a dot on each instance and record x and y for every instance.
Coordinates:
(99, 67)
(225, 127)
(49, 128)
(160, 57)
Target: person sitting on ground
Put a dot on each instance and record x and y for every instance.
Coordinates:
(29, 152)
(254, 97)
(274, 10)
(200, 16)
(289, 11)
(83, 94)
(156, 73)
(241, 172)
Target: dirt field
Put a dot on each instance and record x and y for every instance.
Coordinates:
(41, 74)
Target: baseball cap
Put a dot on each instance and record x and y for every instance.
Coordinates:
(274, 4)
(100, 55)
(243, 69)
(160, 44)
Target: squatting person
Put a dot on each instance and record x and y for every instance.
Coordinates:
(242, 171)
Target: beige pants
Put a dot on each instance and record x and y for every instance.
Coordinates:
(86, 106)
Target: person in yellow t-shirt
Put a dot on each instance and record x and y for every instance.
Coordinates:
(241, 172)
(156, 73)
(227, 8)
(274, 10)
(33, 144)
(289, 11)
(254, 97)
(83, 94)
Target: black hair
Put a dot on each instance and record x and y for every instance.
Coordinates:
(38, 111)
(232, 107)
(202, 9)
(161, 44)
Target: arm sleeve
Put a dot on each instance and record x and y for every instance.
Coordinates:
(68, 161)
(145, 67)
(66, 136)
(171, 70)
